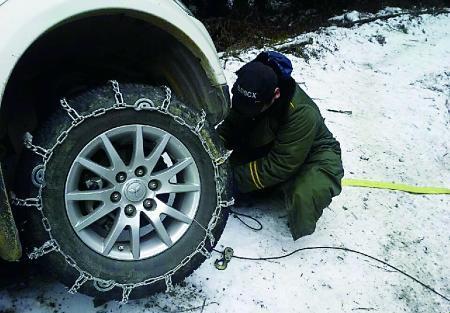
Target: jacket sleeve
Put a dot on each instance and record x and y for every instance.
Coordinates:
(291, 147)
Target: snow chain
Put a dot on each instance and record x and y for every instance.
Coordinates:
(141, 104)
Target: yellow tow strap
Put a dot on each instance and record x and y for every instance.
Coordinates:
(394, 186)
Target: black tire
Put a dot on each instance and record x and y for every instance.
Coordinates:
(124, 272)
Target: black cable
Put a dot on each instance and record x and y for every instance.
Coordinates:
(260, 226)
(322, 248)
(342, 249)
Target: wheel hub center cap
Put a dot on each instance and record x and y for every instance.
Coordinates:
(135, 190)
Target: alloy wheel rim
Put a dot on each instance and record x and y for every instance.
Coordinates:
(132, 192)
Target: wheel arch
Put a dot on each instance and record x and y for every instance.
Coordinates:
(23, 23)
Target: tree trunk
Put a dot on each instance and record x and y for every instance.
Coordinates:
(241, 8)
(218, 8)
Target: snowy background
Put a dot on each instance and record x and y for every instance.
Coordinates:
(394, 77)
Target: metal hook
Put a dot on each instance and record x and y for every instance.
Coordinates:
(221, 264)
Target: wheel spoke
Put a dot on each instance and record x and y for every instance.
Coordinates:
(101, 171)
(87, 220)
(114, 234)
(157, 152)
(138, 150)
(135, 240)
(90, 195)
(167, 210)
(156, 222)
(178, 188)
(113, 156)
(170, 172)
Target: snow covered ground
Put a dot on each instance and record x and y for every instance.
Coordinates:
(394, 76)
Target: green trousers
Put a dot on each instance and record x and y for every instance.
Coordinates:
(311, 190)
(307, 192)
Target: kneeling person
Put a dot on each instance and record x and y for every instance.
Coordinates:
(280, 142)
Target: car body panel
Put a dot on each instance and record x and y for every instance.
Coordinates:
(23, 21)
(10, 247)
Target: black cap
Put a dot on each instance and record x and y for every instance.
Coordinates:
(254, 87)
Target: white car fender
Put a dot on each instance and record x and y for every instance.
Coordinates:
(23, 21)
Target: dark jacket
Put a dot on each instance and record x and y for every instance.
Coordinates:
(272, 147)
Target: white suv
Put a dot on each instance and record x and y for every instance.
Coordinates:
(107, 143)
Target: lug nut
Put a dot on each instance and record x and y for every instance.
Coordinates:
(130, 210)
(153, 184)
(140, 171)
(116, 196)
(121, 177)
(149, 204)
(120, 248)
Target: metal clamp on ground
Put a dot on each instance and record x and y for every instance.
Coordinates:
(227, 255)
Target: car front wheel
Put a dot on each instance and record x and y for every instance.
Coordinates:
(131, 194)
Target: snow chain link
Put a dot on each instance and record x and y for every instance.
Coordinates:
(141, 104)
